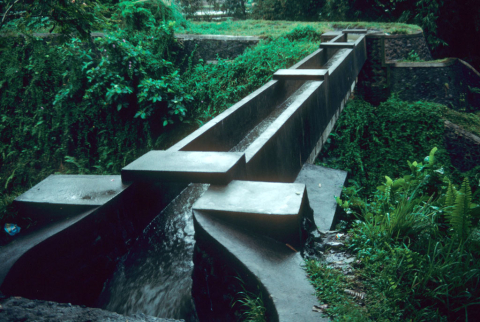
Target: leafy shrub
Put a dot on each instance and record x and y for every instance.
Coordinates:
(83, 107)
(305, 33)
(416, 257)
(217, 87)
(369, 141)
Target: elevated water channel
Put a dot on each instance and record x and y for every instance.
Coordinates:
(154, 278)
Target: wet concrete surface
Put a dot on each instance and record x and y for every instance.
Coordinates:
(301, 74)
(275, 267)
(15, 309)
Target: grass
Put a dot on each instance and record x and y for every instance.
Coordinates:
(267, 28)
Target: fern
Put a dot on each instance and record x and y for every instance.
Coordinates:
(460, 219)
(450, 197)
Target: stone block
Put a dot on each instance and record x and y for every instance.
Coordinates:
(300, 74)
(337, 45)
(275, 210)
(354, 31)
(67, 195)
(196, 167)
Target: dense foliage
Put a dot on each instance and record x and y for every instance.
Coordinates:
(368, 141)
(417, 251)
(216, 87)
(94, 106)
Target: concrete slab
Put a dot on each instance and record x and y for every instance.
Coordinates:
(337, 45)
(68, 195)
(300, 74)
(354, 31)
(323, 184)
(271, 209)
(275, 268)
(196, 167)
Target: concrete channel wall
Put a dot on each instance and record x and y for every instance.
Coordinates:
(278, 128)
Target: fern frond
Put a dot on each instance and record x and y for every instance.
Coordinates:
(460, 219)
(450, 197)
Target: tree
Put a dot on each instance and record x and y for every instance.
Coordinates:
(63, 16)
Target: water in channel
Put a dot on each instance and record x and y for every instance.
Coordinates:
(154, 278)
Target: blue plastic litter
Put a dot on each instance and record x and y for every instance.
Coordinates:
(12, 229)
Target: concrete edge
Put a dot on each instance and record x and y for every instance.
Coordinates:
(448, 62)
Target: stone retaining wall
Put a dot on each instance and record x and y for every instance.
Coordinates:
(209, 47)
(398, 47)
(463, 147)
(449, 83)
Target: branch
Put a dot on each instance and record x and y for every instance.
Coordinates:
(5, 15)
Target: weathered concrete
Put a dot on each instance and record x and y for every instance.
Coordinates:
(227, 129)
(74, 256)
(354, 31)
(68, 195)
(323, 185)
(196, 167)
(300, 74)
(337, 45)
(272, 209)
(274, 267)
(16, 309)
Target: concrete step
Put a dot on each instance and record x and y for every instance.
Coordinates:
(272, 209)
(337, 45)
(300, 74)
(323, 184)
(61, 196)
(185, 166)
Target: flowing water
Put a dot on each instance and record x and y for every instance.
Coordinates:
(154, 278)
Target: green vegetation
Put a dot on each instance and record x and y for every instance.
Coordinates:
(416, 237)
(416, 241)
(251, 306)
(278, 28)
(368, 141)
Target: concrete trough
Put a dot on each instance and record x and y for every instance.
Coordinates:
(323, 185)
(308, 110)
